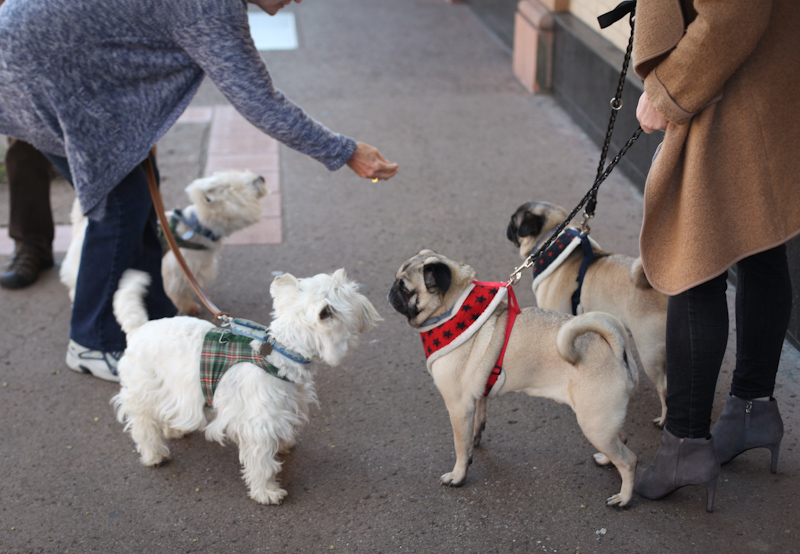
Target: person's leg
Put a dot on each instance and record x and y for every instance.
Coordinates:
(763, 307)
(763, 310)
(30, 217)
(125, 238)
(697, 335)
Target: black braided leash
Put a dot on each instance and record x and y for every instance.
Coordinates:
(590, 198)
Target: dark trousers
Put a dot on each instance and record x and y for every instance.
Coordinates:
(697, 335)
(30, 221)
(126, 237)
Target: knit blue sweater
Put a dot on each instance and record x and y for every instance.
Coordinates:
(100, 82)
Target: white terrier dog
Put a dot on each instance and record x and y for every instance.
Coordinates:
(258, 404)
(221, 204)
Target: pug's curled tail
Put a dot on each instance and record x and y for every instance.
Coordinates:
(607, 326)
(129, 308)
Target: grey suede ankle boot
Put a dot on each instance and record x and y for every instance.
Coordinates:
(680, 462)
(748, 424)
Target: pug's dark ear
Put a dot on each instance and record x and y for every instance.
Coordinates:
(531, 225)
(437, 277)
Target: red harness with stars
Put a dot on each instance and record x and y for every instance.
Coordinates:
(468, 318)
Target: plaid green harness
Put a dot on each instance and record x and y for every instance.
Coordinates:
(221, 350)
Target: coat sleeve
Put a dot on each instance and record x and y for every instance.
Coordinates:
(716, 43)
(222, 47)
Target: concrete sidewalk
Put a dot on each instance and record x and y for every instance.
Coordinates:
(426, 83)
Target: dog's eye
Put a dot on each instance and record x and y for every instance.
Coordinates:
(326, 313)
(208, 200)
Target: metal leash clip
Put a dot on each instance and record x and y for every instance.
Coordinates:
(226, 320)
(585, 229)
(517, 273)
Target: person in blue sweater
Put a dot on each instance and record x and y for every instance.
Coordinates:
(94, 87)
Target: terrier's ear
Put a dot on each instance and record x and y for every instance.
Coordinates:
(437, 277)
(281, 282)
(340, 276)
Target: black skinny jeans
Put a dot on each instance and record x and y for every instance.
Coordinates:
(697, 334)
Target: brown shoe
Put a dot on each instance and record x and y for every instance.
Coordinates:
(23, 270)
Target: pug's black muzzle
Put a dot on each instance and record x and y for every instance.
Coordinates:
(399, 297)
(511, 233)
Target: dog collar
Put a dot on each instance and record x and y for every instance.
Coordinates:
(253, 330)
(179, 240)
(434, 320)
(470, 312)
(195, 226)
(542, 240)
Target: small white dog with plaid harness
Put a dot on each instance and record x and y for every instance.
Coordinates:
(260, 395)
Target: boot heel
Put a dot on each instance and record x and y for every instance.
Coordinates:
(775, 448)
(711, 488)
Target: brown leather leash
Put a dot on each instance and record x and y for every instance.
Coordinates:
(158, 204)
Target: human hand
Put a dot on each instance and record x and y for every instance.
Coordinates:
(367, 162)
(648, 115)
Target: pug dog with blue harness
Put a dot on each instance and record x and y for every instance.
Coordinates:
(575, 276)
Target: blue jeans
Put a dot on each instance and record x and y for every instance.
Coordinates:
(697, 335)
(126, 237)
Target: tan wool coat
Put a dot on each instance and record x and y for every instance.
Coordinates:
(725, 183)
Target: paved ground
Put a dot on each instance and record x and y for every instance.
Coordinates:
(425, 82)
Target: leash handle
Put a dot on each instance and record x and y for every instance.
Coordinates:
(158, 204)
(624, 8)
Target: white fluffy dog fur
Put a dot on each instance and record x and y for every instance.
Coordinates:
(161, 396)
(223, 203)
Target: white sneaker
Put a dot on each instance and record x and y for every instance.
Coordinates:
(94, 362)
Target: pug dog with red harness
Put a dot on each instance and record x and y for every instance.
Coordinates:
(479, 345)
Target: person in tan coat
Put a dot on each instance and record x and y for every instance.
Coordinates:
(721, 79)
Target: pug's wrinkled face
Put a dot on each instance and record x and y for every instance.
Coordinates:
(427, 285)
(530, 222)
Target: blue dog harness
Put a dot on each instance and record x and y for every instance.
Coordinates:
(558, 252)
(185, 240)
